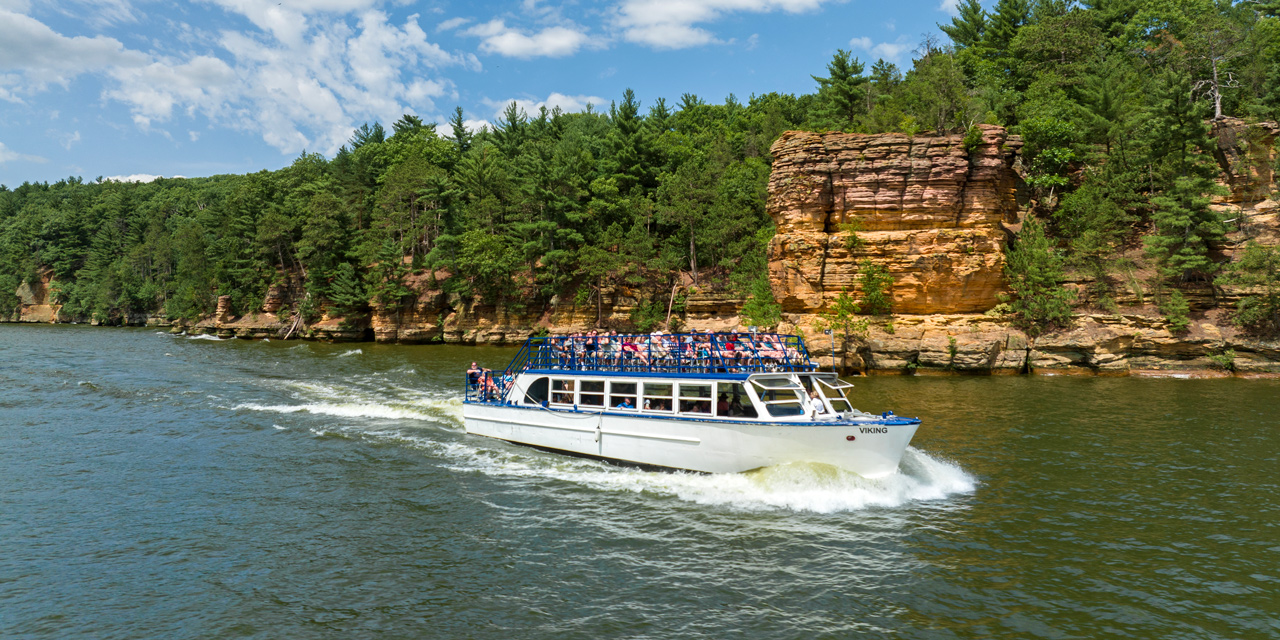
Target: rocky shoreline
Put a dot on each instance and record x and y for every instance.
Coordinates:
(1097, 344)
(934, 211)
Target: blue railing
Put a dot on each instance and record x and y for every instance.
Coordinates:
(665, 353)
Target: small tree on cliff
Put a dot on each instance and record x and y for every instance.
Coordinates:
(761, 309)
(1259, 271)
(877, 287)
(1035, 274)
(1186, 228)
(842, 319)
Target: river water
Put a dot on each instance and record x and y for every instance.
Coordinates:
(157, 486)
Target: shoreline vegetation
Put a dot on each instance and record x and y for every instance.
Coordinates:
(1146, 237)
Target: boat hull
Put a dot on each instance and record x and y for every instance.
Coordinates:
(870, 449)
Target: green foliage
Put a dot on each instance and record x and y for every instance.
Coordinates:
(1224, 360)
(1176, 312)
(1258, 273)
(969, 26)
(347, 292)
(972, 138)
(1047, 148)
(852, 241)
(842, 319)
(761, 309)
(842, 91)
(648, 315)
(877, 287)
(1035, 274)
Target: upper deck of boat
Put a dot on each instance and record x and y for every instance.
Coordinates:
(658, 353)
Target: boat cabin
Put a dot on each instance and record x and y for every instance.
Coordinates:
(742, 376)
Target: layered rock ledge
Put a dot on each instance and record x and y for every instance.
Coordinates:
(926, 207)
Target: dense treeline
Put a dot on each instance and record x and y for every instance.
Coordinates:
(1110, 97)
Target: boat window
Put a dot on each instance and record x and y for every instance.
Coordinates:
(537, 393)
(732, 401)
(622, 395)
(836, 396)
(657, 396)
(781, 402)
(591, 393)
(695, 398)
(774, 382)
(562, 391)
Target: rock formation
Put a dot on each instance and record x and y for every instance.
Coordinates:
(932, 211)
(927, 208)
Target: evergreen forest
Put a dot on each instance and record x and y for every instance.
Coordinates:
(1114, 100)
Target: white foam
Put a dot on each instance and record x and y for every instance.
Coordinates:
(341, 410)
(204, 336)
(279, 427)
(808, 487)
(352, 352)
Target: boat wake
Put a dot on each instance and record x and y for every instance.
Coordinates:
(809, 487)
(365, 410)
(365, 399)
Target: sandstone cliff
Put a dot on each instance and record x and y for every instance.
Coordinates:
(927, 208)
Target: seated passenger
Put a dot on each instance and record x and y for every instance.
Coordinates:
(625, 404)
(816, 404)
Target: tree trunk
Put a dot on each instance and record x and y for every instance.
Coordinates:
(693, 256)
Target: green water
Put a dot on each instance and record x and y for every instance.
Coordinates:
(166, 487)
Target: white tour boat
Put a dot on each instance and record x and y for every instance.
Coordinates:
(715, 403)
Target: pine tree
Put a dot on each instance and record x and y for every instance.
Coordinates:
(842, 90)
(1009, 16)
(346, 291)
(510, 131)
(967, 29)
(1035, 274)
(461, 136)
(630, 139)
(1186, 228)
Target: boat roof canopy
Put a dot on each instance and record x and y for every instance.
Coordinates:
(728, 355)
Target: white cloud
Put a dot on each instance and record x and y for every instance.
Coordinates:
(301, 77)
(36, 56)
(451, 24)
(753, 41)
(552, 42)
(101, 12)
(17, 6)
(950, 6)
(671, 24)
(68, 139)
(136, 177)
(567, 104)
(303, 85)
(8, 155)
(891, 51)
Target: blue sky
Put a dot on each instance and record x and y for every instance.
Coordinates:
(121, 88)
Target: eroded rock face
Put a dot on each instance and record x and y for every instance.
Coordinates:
(925, 207)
